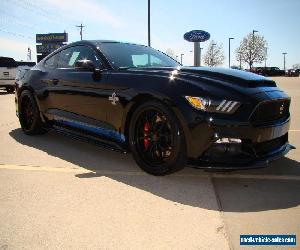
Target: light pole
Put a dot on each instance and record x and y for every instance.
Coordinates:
(200, 56)
(266, 53)
(284, 60)
(229, 39)
(253, 36)
(149, 41)
(240, 54)
(181, 58)
(212, 53)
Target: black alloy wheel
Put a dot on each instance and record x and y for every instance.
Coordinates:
(29, 115)
(156, 139)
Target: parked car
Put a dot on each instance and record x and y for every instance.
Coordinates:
(292, 72)
(268, 71)
(134, 98)
(9, 69)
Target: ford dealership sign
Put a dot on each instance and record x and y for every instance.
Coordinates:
(196, 36)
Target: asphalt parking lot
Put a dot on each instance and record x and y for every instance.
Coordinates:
(57, 193)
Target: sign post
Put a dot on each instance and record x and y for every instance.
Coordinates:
(196, 36)
(197, 55)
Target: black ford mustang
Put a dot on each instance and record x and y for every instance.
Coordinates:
(134, 98)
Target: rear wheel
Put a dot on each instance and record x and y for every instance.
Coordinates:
(156, 139)
(29, 115)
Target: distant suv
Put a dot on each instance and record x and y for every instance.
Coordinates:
(9, 70)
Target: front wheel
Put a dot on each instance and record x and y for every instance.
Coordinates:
(156, 139)
(29, 115)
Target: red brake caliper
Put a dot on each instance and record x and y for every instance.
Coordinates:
(146, 141)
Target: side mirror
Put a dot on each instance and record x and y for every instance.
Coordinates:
(85, 65)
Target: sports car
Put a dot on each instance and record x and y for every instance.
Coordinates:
(134, 98)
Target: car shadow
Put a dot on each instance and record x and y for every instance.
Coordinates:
(190, 187)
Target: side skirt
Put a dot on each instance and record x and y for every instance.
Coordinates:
(89, 138)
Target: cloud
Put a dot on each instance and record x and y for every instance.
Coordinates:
(16, 49)
(84, 10)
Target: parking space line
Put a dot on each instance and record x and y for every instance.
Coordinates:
(40, 168)
(294, 130)
(140, 173)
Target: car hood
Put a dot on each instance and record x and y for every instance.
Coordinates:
(212, 80)
(232, 76)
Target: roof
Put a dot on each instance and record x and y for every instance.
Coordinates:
(98, 42)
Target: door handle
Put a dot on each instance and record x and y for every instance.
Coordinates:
(55, 81)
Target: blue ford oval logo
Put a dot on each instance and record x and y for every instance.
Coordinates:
(196, 36)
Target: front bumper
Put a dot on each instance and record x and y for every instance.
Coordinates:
(256, 145)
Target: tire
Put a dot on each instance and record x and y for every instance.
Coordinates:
(29, 115)
(156, 139)
(10, 89)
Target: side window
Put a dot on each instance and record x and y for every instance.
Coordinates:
(70, 56)
(52, 61)
(145, 60)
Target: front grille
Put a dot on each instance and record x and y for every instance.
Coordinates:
(270, 111)
(267, 147)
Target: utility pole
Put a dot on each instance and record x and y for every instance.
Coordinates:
(284, 60)
(229, 39)
(149, 38)
(81, 27)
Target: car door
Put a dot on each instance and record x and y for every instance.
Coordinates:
(79, 96)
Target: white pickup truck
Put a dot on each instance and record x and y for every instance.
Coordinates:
(9, 68)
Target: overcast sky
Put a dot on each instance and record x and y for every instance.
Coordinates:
(126, 20)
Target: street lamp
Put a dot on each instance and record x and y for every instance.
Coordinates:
(149, 42)
(253, 35)
(284, 60)
(240, 54)
(181, 58)
(266, 53)
(200, 56)
(212, 53)
(229, 39)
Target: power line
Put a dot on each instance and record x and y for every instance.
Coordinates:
(17, 34)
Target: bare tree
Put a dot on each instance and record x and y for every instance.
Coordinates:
(171, 53)
(214, 54)
(252, 49)
(296, 66)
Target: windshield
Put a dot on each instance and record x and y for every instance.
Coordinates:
(123, 55)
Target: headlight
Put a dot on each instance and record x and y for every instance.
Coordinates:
(210, 105)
